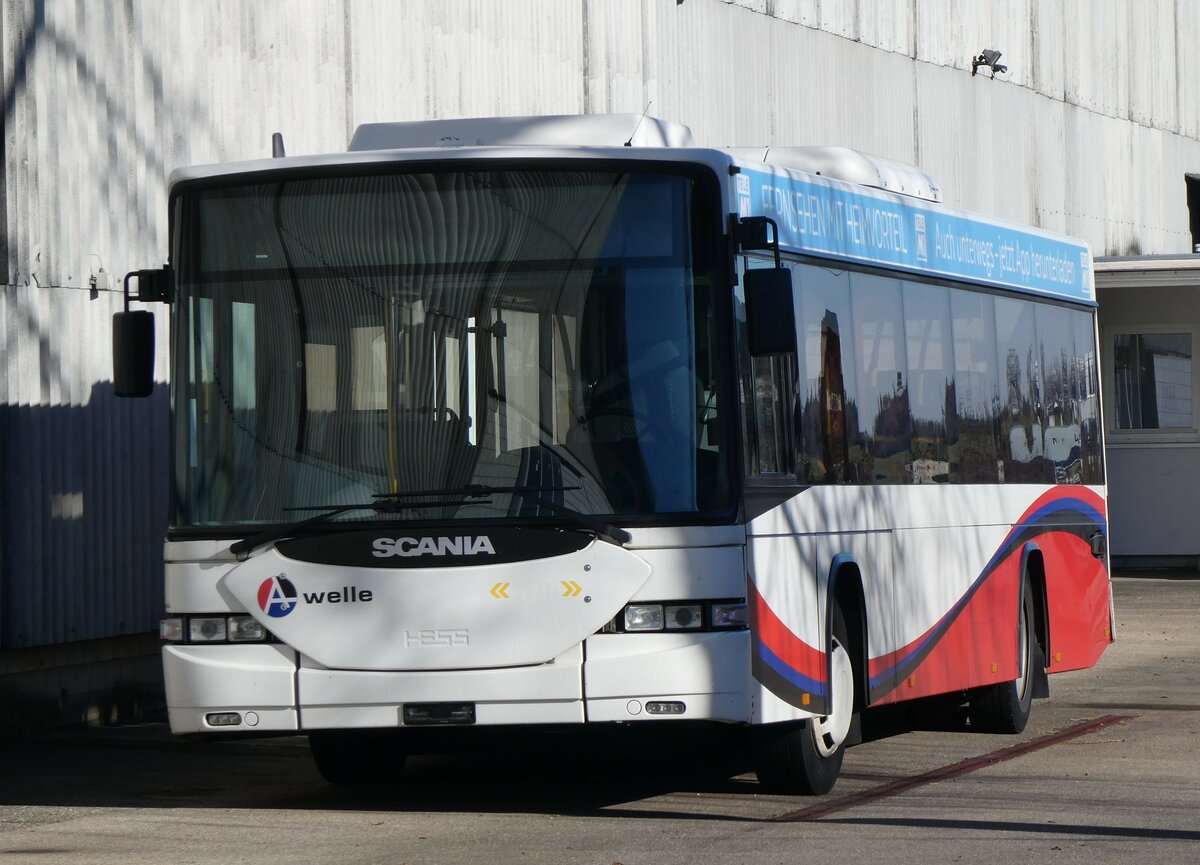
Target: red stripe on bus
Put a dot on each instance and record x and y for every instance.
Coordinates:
(775, 635)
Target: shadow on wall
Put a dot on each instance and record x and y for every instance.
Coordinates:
(92, 132)
(83, 515)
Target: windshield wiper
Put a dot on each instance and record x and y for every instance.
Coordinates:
(392, 502)
(602, 529)
(382, 505)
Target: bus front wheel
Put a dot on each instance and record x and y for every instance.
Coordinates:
(806, 758)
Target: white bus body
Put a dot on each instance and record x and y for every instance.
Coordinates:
(462, 335)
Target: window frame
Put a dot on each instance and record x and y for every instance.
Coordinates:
(1118, 436)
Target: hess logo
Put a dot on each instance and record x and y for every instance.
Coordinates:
(463, 545)
(277, 596)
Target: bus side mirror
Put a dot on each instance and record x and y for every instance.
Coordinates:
(133, 353)
(770, 313)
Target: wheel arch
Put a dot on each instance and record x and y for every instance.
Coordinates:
(845, 589)
(1033, 573)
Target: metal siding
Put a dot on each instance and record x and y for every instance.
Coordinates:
(1089, 133)
(83, 500)
(424, 60)
(1187, 70)
(889, 26)
(1097, 72)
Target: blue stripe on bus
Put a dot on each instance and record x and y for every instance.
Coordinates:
(791, 674)
(1066, 503)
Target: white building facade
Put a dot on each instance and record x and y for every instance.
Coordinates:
(1090, 130)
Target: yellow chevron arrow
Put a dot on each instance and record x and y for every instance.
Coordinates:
(500, 590)
(572, 588)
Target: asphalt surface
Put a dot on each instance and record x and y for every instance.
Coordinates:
(1108, 771)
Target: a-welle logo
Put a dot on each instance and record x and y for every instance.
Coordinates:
(277, 596)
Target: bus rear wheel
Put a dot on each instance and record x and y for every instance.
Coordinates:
(806, 758)
(356, 757)
(1005, 706)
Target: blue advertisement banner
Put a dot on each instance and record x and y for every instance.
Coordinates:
(837, 220)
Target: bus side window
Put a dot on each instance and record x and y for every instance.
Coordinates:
(769, 404)
(773, 385)
(832, 399)
(1022, 394)
(826, 408)
(885, 425)
(974, 448)
(930, 350)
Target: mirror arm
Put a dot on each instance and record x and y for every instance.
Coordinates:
(153, 285)
(751, 233)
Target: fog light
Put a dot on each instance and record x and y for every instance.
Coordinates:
(171, 630)
(245, 629)
(729, 615)
(644, 617)
(684, 617)
(668, 707)
(206, 630)
(223, 719)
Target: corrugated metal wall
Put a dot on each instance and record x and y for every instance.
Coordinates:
(82, 492)
(1090, 131)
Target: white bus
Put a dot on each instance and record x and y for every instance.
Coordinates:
(547, 423)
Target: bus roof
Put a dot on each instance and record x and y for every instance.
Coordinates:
(860, 224)
(880, 213)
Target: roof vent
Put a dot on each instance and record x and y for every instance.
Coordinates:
(853, 166)
(587, 130)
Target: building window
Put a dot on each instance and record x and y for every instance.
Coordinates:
(1153, 380)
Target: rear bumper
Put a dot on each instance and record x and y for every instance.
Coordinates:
(272, 689)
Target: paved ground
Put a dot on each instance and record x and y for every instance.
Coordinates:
(1109, 771)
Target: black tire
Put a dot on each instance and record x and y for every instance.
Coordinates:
(802, 758)
(357, 757)
(1005, 706)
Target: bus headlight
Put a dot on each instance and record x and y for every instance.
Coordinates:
(246, 629)
(208, 629)
(213, 628)
(729, 615)
(172, 630)
(685, 617)
(644, 617)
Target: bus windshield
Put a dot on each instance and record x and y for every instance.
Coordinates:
(344, 337)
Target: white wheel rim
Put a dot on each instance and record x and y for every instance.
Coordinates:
(830, 731)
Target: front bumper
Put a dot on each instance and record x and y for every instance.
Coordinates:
(274, 690)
